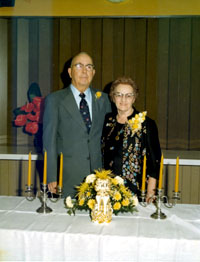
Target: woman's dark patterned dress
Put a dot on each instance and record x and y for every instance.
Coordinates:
(123, 152)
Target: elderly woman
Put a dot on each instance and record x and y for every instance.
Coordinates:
(127, 136)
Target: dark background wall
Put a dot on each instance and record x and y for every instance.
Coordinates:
(161, 54)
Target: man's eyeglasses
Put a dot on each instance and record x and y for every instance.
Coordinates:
(121, 95)
(88, 67)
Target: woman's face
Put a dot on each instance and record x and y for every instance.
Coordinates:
(123, 97)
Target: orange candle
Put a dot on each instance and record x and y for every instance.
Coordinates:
(45, 168)
(29, 169)
(177, 175)
(161, 173)
(61, 171)
(144, 173)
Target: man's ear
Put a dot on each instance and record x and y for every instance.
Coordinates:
(70, 72)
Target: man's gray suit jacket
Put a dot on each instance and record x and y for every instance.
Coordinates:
(64, 131)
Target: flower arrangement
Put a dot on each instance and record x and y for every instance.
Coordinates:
(98, 95)
(121, 198)
(30, 115)
(135, 123)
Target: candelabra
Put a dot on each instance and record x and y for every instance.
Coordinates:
(43, 196)
(158, 200)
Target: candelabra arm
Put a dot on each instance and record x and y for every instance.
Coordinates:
(59, 193)
(166, 202)
(29, 193)
(175, 198)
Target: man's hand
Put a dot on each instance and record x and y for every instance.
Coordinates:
(52, 187)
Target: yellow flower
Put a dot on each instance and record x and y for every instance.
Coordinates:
(117, 206)
(135, 122)
(125, 191)
(125, 202)
(103, 174)
(114, 181)
(98, 95)
(88, 194)
(82, 188)
(81, 201)
(91, 203)
(117, 196)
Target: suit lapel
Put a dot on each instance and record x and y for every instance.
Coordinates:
(70, 105)
(95, 109)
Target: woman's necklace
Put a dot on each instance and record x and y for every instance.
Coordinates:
(119, 133)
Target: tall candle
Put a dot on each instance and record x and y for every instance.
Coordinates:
(161, 173)
(45, 168)
(144, 173)
(29, 169)
(177, 175)
(61, 171)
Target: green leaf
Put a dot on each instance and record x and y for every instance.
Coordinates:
(17, 111)
(33, 91)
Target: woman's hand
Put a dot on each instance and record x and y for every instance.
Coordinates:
(52, 187)
(151, 189)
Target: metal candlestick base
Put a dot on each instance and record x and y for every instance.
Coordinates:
(44, 209)
(158, 215)
(43, 198)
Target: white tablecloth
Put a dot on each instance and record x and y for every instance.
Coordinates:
(26, 235)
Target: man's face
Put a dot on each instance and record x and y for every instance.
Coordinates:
(82, 71)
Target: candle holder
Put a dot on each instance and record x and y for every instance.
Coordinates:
(159, 199)
(43, 198)
(175, 198)
(29, 193)
(59, 192)
(143, 198)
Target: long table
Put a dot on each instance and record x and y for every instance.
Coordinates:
(26, 235)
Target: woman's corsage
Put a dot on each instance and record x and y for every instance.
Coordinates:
(135, 123)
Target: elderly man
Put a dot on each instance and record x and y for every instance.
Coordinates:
(72, 124)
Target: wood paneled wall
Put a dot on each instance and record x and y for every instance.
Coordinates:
(161, 54)
(13, 178)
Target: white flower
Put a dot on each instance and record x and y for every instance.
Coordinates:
(90, 178)
(68, 202)
(134, 200)
(119, 180)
